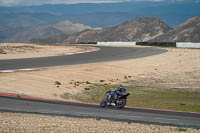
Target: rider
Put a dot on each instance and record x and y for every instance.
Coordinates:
(120, 90)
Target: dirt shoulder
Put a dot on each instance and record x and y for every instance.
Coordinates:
(22, 50)
(28, 123)
(177, 68)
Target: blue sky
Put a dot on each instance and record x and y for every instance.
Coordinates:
(40, 2)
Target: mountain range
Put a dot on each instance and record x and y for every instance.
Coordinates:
(25, 23)
(140, 29)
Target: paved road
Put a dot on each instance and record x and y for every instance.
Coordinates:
(105, 54)
(93, 111)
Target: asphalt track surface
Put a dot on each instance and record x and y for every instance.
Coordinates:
(69, 109)
(178, 119)
(103, 55)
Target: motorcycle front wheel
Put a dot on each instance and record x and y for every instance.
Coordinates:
(103, 103)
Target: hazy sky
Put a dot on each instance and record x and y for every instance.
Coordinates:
(40, 2)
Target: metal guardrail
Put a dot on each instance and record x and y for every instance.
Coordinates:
(159, 44)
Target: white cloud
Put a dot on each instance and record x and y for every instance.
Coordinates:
(9, 2)
(40, 2)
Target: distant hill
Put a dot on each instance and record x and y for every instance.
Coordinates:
(186, 32)
(25, 34)
(25, 19)
(140, 29)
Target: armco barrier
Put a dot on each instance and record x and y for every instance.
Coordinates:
(160, 44)
(84, 43)
(187, 45)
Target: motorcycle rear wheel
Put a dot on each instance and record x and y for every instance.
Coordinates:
(121, 103)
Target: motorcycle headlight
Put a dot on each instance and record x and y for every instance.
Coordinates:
(107, 94)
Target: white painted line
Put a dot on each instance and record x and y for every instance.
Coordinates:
(29, 69)
(6, 71)
(69, 53)
(20, 70)
(81, 52)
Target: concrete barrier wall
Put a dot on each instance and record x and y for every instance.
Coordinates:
(160, 44)
(187, 45)
(116, 43)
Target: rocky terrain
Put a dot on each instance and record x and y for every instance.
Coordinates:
(140, 29)
(186, 32)
(24, 34)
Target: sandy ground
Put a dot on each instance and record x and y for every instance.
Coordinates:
(20, 50)
(27, 123)
(179, 68)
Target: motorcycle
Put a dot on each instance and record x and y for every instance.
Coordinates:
(109, 100)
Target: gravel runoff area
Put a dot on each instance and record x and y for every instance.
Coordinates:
(31, 123)
(23, 50)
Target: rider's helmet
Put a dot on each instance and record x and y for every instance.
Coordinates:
(121, 88)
